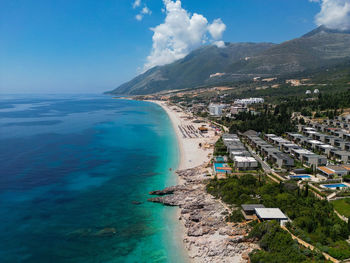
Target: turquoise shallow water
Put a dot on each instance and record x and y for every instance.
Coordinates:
(72, 168)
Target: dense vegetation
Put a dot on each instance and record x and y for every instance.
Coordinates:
(277, 122)
(220, 148)
(312, 219)
(278, 119)
(277, 246)
(342, 206)
(333, 103)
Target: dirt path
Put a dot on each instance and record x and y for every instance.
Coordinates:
(309, 246)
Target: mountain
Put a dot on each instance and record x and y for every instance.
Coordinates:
(321, 47)
(192, 70)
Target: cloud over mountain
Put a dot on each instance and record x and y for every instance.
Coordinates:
(180, 33)
(334, 14)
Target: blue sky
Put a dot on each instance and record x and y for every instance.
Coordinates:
(64, 46)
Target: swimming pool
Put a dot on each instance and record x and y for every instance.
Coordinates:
(219, 159)
(219, 165)
(222, 168)
(335, 185)
(301, 176)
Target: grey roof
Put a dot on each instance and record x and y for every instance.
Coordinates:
(282, 156)
(251, 207)
(270, 213)
(342, 153)
(250, 133)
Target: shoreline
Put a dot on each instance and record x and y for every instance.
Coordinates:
(205, 234)
(191, 155)
(184, 153)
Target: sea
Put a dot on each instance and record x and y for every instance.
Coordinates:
(75, 176)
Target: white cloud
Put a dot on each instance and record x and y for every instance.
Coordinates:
(180, 33)
(139, 17)
(146, 11)
(217, 28)
(334, 14)
(219, 44)
(136, 3)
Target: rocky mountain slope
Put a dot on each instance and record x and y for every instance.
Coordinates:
(319, 48)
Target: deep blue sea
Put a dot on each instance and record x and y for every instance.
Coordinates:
(72, 168)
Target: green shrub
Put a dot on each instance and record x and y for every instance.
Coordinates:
(236, 216)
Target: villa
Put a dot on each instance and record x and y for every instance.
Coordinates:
(333, 170)
(248, 210)
(267, 214)
(245, 163)
(340, 156)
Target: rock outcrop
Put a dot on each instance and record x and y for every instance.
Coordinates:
(208, 237)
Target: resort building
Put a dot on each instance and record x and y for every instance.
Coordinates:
(287, 147)
(296, 137)
(245, 163)
(267, 214)
(325, 149)
(216, 109)
(269, 152)
(333, 170)
(248, 211)
(237, 109)
(314, 160)
(249, 101)
(340, 156)
(230, 139)
(309, 158)
(312, 144)
(234, 153)
(282, 160)
(241, 158)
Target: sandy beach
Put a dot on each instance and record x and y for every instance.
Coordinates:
(206, 236)
(191, 154)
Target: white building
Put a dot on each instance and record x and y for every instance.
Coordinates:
(267, 214)
(245, 163)
(238, 109)
(216, 109)
(249, 101)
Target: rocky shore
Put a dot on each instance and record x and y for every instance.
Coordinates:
(208, 237)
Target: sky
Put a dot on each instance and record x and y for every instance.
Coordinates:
(92, 46)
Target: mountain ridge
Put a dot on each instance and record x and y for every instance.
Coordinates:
(239, 61)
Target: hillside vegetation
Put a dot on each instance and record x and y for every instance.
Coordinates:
(321, 49)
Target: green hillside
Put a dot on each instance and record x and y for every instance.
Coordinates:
(319, 49)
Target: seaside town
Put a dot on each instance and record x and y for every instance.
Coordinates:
(264, 191)
(175, 131)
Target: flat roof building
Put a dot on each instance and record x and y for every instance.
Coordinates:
(333, 170)
(340, 156)
(248, 210)
(266, 214)
(216, 109)
(245, 163)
